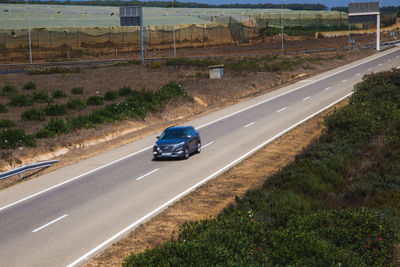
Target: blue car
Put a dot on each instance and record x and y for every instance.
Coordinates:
(177, 142)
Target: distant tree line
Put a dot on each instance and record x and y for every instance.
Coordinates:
(168, 4)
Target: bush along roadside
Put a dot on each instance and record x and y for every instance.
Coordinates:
(136, 105)
(337, 204)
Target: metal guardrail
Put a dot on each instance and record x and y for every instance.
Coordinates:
(20, 170)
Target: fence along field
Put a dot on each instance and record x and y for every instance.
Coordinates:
(64, 32)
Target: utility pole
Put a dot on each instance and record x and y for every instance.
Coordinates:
(29, 34)
(173, 28)
(282, 25)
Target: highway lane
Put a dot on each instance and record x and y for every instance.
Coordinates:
(62, 225)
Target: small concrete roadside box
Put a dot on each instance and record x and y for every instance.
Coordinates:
(216, 71)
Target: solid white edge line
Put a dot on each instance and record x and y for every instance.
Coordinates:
(212, 142)
(204, 125)
(147, 174)
(295, 89)
(282, 109)
(248, 125)
(166, 204)
(304, 99)
(47, 224)
(73, 179)
(327, 88)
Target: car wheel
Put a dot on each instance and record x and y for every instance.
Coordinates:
(198, 147)
(186, 153)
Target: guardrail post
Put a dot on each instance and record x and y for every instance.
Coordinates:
(20, 176)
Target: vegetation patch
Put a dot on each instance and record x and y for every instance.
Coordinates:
(77, 91)
(56, 110)
(12, 138)
(76, 103)
(54, 70)
(335, 205)
(21, 100)
(29, 86)
(94, 101)
(8, 90)
(58, 94)
(33, 114)
(3, 108)
(4, 123)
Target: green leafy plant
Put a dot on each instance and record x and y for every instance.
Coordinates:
(94, 101)
(111, 96)
(29, 86)
(57, 126)
(124, 91)
(77, 91)
(75, 103)
(33, 114)
(58, 94)
(9, 90)
(3, 108)
(40, 97)
(12, 138)
(20, 100)
(156, 65)
(4, 123)
(56, 110)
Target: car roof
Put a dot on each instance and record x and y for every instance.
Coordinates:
(180, 127)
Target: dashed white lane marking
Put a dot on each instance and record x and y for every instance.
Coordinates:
(327, 88)
(370, 69)
(358, 74)
(380, 64)
(305, 81)
(389, 60)
(47, 224)
(304, 99)
(344, 81)
(212, 142)
(249, 124)
(282, 109)
(147, 174)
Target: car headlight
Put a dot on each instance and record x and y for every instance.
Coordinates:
(178, 146)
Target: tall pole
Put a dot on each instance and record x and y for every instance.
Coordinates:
(173, 28)
(29, 34)
(282, 26)
(141, 35)
(378, 32)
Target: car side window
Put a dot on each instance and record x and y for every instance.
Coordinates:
(190, 132)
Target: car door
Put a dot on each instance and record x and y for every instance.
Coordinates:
(191, 140)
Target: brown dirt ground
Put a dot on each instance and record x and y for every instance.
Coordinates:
(210, 95)
(208, 200)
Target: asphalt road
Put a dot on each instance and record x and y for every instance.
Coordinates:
(67, 216)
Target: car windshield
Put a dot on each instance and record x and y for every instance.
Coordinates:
(173, 134)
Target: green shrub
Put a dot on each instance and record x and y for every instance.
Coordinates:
(29, 86)
(58, 94)
(44, 133)
(33, 114)
(77, 90)
(56, 110)
(20, 100)
(111, 96)
(54, 70)
(124, 91)
(76, 103)
(178, 61)
(127, 63)
(12, 138)
(9, 90)
(79, 122)
(4, 123)
(57, 126)
(94, 101)
(41, 97)
(3, 108)
(156, 65)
